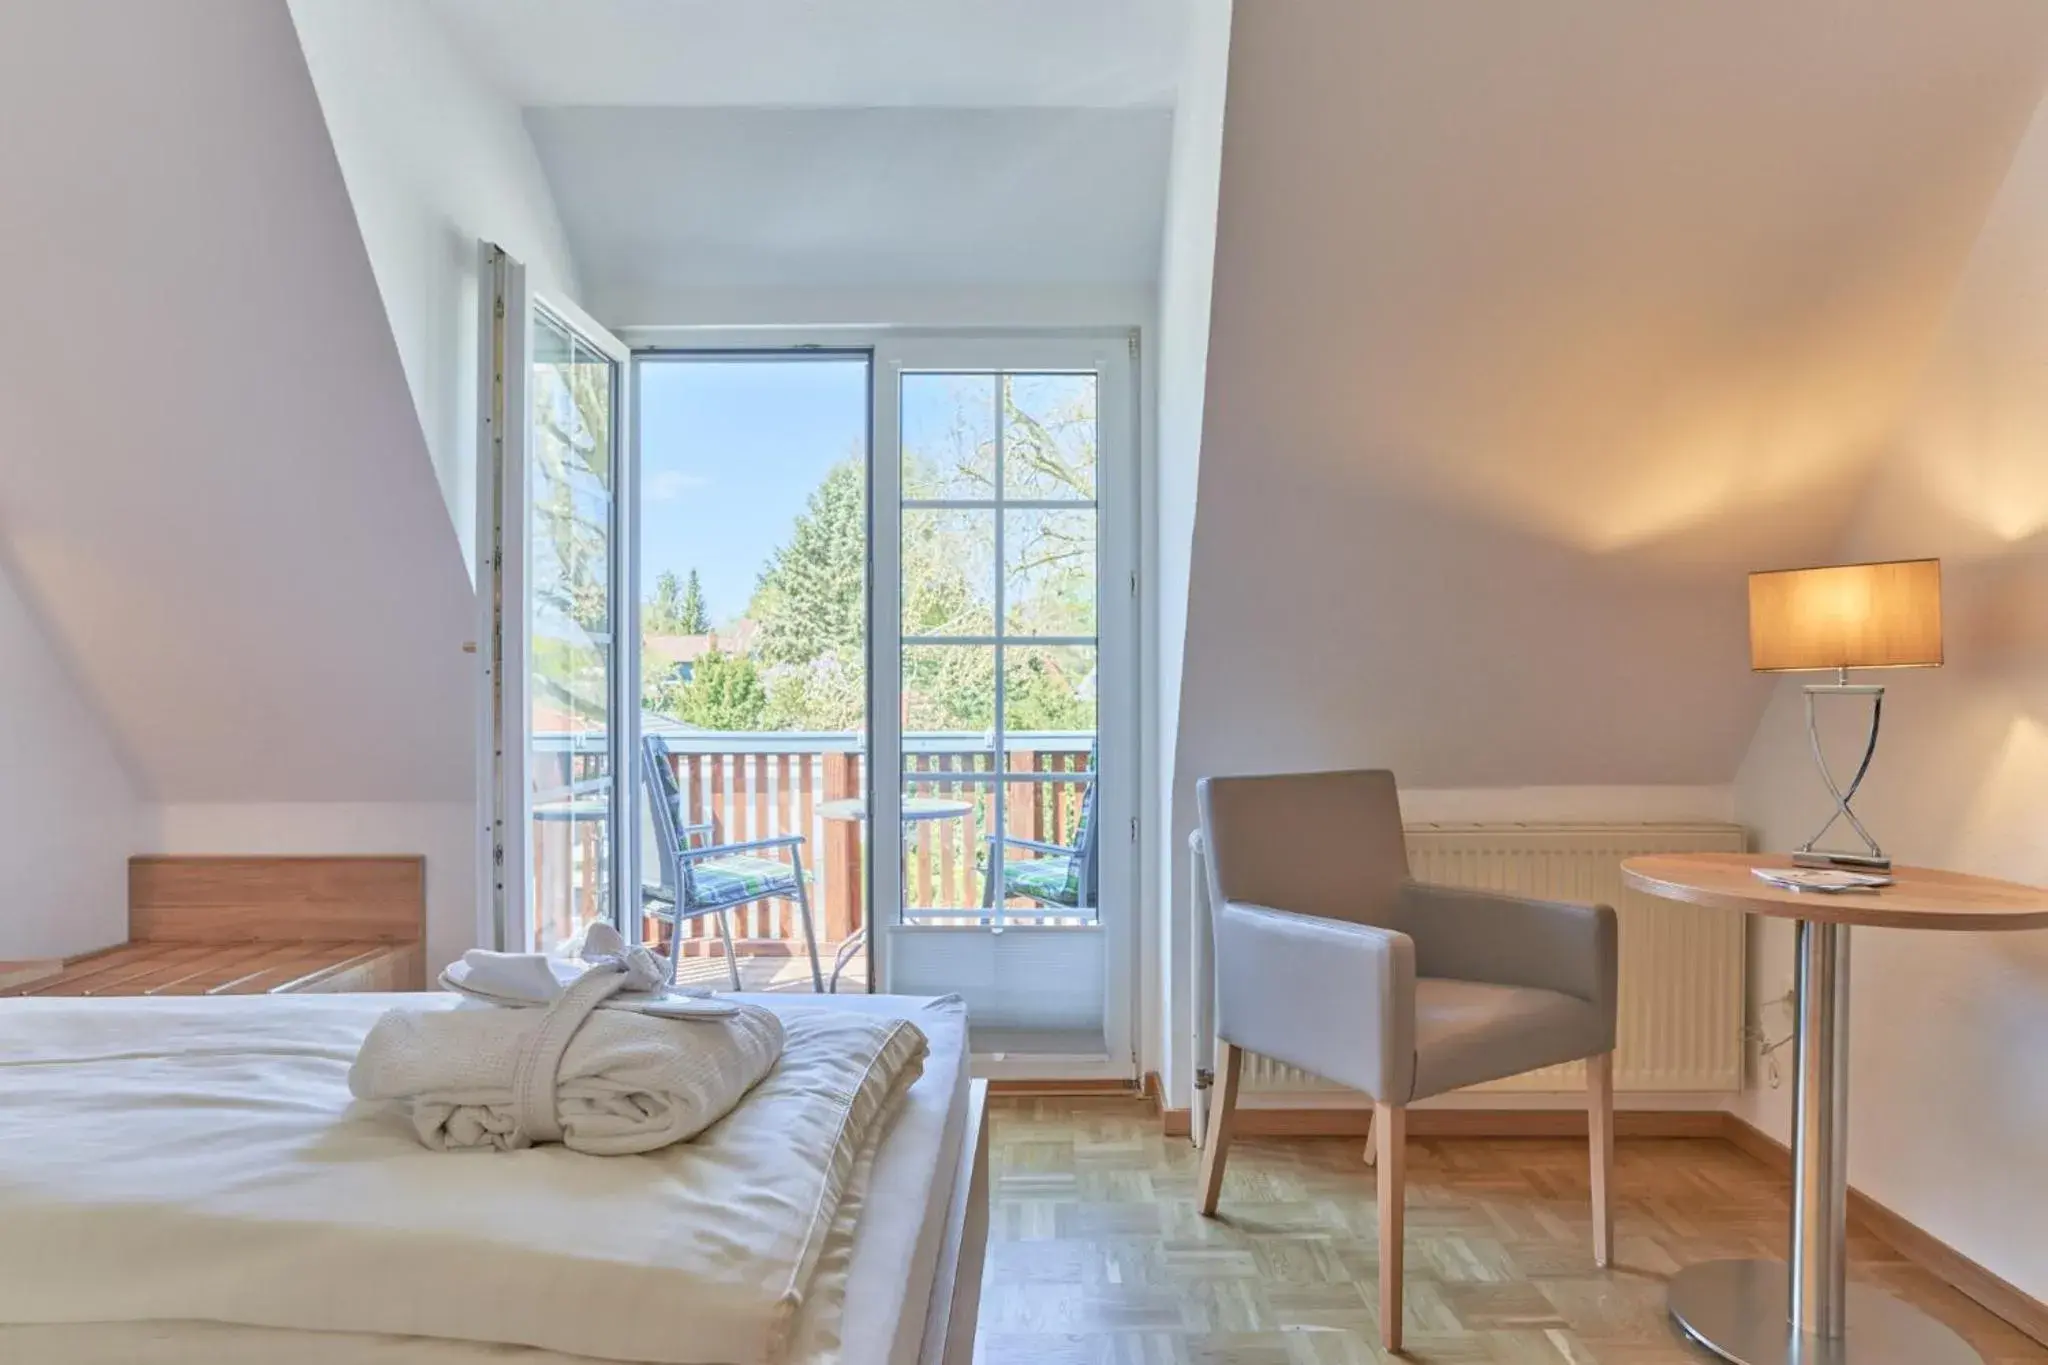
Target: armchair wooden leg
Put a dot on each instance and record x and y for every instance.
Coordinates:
(1390, 1131)
(1600, 1135)
(1216, 1146)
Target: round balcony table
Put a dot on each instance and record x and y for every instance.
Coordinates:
(1759, 1312)
(856, 808)
(914, 808)
(582, 806)
(588, 809)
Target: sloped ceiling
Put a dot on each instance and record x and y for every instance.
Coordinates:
(1534, 328)
(212, 480)
(728, 162)
(657, 200)
(812, 54)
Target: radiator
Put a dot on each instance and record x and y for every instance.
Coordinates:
(1680, 1025)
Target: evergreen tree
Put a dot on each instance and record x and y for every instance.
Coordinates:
(809, 600)
(724, 693)
(662, 614)
(677, 608)
(693, 614)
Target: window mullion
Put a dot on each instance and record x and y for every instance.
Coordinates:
(1001, 759)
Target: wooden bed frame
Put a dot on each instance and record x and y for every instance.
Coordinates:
(956, 1286)
(254, 926)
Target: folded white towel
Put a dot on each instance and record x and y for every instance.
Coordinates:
(511, 978)
(610, 1082)
(527, 980)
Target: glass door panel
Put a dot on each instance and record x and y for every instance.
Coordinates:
(553, 552)
(571, 523)
(753, 534)
(1000, 578)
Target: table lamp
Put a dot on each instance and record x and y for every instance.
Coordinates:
(1843, 617)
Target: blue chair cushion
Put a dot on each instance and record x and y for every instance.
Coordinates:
(1053, 880)
(737, 878)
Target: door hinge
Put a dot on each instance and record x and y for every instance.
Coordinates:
(1134, 829)
(1134, 582)
(1132, 338)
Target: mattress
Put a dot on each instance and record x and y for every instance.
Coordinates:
(884, 1268)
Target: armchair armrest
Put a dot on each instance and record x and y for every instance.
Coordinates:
(1329, 996)
(1513, 940)
(1012, 841)
(720, 850)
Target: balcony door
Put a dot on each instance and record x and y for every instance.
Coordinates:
(1004, 667)
(559, 716)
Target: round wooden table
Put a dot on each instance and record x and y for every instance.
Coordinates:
(1759, 1312)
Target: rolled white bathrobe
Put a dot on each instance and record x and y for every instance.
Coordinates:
(626, 1081)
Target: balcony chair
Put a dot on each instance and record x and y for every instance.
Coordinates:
(1062, 875)
(1340, 965)
(693, 877)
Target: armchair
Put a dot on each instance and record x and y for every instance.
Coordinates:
(1346, 968)
(1059, 874)
(693, 876)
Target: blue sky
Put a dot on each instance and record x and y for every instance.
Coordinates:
(729, 452)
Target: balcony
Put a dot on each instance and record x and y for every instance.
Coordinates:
(751, 786)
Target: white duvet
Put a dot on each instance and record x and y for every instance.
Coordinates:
(211, 1166)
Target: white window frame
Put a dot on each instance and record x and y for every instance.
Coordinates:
(506, 305)
(1117, 655)
(1123, 519)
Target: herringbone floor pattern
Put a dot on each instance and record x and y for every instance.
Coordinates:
(1097, 1257)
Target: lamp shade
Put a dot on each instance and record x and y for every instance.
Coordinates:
(1848, 616)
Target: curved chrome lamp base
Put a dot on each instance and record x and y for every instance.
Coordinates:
(1873, 859)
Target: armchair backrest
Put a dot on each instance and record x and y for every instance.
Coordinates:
(1085, 842)
(661, 818)
(1326, 844)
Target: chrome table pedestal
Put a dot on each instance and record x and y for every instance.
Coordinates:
(1759, 1312)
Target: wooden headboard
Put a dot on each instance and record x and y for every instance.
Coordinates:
(252, 900)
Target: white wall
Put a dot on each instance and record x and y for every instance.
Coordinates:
(434, 159)
(1535, 327)
(68, 807)
(1180, 356)
(1949, 1032)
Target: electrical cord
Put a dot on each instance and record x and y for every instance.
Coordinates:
(1758, 1036)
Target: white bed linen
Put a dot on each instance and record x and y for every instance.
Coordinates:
(879, 1269)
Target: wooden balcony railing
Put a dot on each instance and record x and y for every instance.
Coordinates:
(760, 786)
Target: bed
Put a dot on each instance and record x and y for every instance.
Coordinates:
(905, 1273)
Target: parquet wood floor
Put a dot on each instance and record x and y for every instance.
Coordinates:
(1097, 1257)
